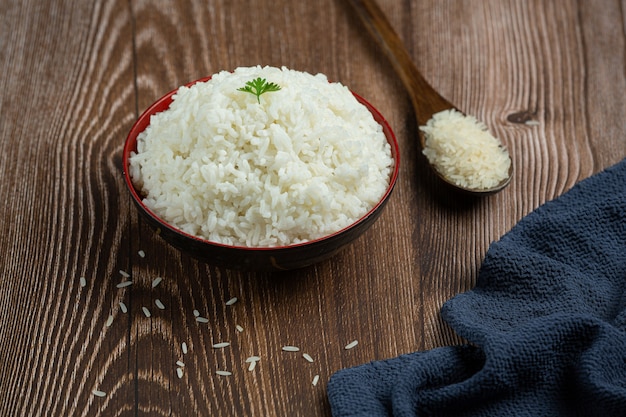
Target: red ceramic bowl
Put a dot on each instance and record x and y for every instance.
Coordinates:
(254, 258)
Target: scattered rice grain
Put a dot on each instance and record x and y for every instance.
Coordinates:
(291, 348)
(156, 281)
(184, 347)
(146, 311)
(352, 344)
(196, 313)
(252, 361)
(202, 320)
(307, 357)
(83, 281)
(123, 307)
(159, 304)
(239, 328)
(221, 345)
(98, 393)
(231, 301)
(142, 254)
(124, 274)
(316, 379)
(179, 372)
(124, 284)
(223, 373)
(181, 364)
(532, 123)
(109, 321)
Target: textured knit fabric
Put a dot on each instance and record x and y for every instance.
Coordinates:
(545, 324)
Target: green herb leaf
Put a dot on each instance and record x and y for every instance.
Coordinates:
(259, 86)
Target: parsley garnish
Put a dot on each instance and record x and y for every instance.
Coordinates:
(258, 87)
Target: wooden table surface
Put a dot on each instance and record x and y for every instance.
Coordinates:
(75, 74)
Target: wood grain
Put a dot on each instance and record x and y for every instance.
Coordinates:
(74, 77)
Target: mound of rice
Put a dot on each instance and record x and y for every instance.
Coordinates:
(463, 151)
(305, 162)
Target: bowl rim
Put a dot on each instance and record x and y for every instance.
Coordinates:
(164, 102)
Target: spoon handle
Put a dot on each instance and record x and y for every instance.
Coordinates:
(426, 101)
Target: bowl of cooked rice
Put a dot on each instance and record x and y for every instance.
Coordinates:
(261, 168)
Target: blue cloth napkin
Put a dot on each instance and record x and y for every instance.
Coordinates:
(545, 324)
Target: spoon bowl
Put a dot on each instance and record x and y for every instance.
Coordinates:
(425, 99)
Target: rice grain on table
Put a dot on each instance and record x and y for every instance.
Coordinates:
(124, 273)
(291, 349)
(179, 372)
(184, 348)
(352, 344)
(239, 328)
(98, 393)
(316, 379)
(156, 281)
(307, 357)
(83, 281)
(202, 319)
(146, 312)
(252, 361)
(231, 301)
(180, 364)
(109, 321)
(159, 304)
(221, 345)
(305, 162)
(123, 307)
(124, 284)
(223, 373)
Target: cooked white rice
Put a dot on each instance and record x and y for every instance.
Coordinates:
(463, 151)
(306, 162)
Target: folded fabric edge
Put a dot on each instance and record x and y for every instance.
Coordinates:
(368, 389)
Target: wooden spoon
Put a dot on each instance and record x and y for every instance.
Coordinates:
(426, 101)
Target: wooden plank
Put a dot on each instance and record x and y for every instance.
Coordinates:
(75, 75)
